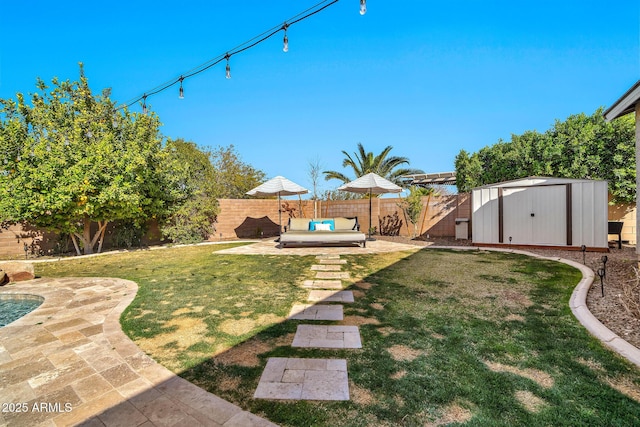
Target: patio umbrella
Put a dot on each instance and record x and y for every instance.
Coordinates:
(373, 184)
(278, 186)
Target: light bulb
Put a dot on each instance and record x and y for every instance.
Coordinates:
(363, 7)
(285, 47)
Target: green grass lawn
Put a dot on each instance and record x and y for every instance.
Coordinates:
(474, 338)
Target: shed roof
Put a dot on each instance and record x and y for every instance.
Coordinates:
(536, 180)
(625, 105)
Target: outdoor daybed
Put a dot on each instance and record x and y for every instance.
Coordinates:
(322, 231)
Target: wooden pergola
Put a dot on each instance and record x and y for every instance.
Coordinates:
(629, 103)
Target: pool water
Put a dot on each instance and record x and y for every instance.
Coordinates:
(13, 307)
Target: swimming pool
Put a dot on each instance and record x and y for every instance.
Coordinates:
(14, 306)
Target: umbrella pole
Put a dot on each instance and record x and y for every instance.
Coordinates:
(279, 217)
(371, 239)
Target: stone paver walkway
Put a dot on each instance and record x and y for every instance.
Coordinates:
(316, 312)
(308, 379)
(71, 355)
(327, 336)
(330, 296)
(332, 275)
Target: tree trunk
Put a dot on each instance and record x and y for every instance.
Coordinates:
(75, 243)
(86, 236)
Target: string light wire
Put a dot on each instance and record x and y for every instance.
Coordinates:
(313, 10)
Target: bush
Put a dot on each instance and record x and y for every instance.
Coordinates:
(193, 222)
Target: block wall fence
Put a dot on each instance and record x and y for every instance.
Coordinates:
(252, 218)
(255, 218)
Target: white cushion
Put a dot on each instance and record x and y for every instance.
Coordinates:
(324, 227)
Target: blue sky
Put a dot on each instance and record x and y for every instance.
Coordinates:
(429, 78)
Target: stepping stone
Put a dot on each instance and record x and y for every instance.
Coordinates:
(332, 261)
(316, 312)
(323, 267)
(327, 336)
(322, 284)
(327, 256)
(330, 296)
(304, 379)
(332, 275)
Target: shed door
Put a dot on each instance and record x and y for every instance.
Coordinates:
(535, 215)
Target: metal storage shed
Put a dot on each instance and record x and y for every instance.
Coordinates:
(541, 211)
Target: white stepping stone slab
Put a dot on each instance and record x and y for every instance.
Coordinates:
(322, 284)
(332, 275)
(327, 336)
(325, 267)
(327, 256)
(330, 296)
(332, 261)
(316, 312)
(304, 379)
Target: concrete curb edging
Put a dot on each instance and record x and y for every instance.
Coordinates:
(578, 304)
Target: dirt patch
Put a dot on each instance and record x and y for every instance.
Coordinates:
(514, 317)
(144, 313)
(591, 364)
(364, 285)
(246, 354)
(359, 395)
(402, 353)
(360, 320)
(452, 414)
(626, 387)
(541, 378)
(246, 313)
(228, 383)
(377, 306)
(513, 297)
(530, 401)
(214, 312)
(237, 327)
(239, 304)
(358, 294)
(188, 332)
(398, 375)
(437, 336)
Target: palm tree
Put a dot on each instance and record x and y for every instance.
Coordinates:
(363, 163)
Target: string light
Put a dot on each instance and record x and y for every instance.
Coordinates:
(228, 72)
(181, 95)
(319, 7)
(285, 47)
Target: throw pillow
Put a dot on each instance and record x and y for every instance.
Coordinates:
(331, 223)
(323, 227)
(312, 225)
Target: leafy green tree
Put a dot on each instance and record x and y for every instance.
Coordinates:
(191, 187)
(232, 178)
(583, 147)
(468, 171)
(69, 160)
(364, 162)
